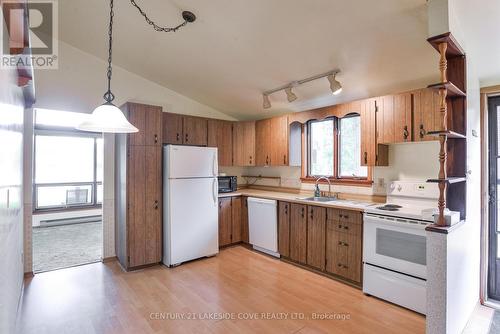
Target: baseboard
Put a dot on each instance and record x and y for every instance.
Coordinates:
(109, 259)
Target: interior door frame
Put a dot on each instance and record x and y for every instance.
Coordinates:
(485, 93)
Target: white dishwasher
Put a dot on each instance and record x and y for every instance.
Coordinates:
(263, 225)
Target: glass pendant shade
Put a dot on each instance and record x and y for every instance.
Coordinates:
(107, 118)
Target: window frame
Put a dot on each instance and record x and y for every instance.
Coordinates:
(58, 131)
(335, 178)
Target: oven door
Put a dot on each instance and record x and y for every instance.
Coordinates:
(395, 244)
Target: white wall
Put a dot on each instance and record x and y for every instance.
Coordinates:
(78, 86)
(11, 202)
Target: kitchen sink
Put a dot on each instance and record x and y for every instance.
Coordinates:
(320, 199)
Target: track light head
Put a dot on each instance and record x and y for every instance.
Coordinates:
(266, 104)
(335, 86)
(290, 96)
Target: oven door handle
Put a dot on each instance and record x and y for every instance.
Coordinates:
(375, 220)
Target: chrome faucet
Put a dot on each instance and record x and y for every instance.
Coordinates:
(317, 192)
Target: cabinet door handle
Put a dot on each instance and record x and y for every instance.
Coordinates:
(302, 211)
(312, 213)
(340, 226)
(346, 217)
(284, 159)
(156, 138)
(345, 267)
(250, 160)
(267, 160)
(156, 205)
(422, 131)
(339, 265)
(366, 157)
(346, 227)
(187, 137)
(405, 132)
(178, 137)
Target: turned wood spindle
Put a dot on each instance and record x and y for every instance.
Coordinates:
(443, 63)
(441, 204)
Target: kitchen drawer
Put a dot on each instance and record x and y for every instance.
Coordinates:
(345, 227)
(344, 216)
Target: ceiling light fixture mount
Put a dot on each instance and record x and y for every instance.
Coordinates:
(107, 117)
(335, 87)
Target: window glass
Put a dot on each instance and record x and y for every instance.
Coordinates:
(99, 159)
(63, 196)
(321, 148)
(350, 148)
(58, 118)
(60, 159)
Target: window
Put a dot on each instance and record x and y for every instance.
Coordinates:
(68, 164)
(334, 148)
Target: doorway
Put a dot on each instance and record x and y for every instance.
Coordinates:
(67, 226)
(493, 203)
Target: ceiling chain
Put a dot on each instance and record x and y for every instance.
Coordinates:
(153, 24)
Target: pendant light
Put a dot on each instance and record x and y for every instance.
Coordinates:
(107, 117)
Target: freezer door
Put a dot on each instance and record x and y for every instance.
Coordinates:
(190, 161)
(190, 220)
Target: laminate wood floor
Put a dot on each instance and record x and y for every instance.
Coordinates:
(220, 292)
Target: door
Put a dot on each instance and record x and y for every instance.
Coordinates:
(316, 233)
(399, 246)
(493, 207)
(190, 161)
(298, 233)
(284, 229)
(236, 219)
(244, 143)
(225, 221)
(191, 227)
(220, 135)
(136, 208)
(153, 212)
(172, 128)
(402, 118)
(195, 131)
(426, 114)
(244, 219)
(385, 119)
(153, 126)
(263, 143)
(279, 141)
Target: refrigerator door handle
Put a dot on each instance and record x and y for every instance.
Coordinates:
(214, 191)
(214, 164)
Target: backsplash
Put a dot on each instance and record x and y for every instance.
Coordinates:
(407, 161)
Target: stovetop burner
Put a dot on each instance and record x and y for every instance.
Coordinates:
(387, 208)
(395, 206)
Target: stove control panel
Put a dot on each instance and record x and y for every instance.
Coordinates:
(413, 189)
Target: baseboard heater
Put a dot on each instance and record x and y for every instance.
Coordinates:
(68, 221)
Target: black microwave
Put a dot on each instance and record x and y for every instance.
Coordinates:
(227, 184)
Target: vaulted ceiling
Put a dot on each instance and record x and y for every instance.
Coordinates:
(237, 49)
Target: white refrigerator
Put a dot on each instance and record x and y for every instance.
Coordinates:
(190, 195)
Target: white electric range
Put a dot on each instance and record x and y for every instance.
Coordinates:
(394, 244)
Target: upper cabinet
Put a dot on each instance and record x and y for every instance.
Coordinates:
(425, 113)
(372, 153)
(394, 118)
(148, 120)
(195, 131)
(271, 141)
(244, 143)
(220, 135)
(184, 130)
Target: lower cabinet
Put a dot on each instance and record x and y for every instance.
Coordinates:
(326, 239)
(232, 229)
(244, 219)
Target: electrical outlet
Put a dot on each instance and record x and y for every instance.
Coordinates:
(381, 182)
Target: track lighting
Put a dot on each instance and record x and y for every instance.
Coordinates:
(266, 103)
(335, 86)
(290, 96)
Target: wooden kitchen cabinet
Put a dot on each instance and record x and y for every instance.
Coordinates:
(284, 229)
(298, 233)
(271, 141)
(344, 244)
(279, 141)
(236, 220)
(244, 219)
(403, 129)
(316, 228)
(225, 221)
(426, 114)
(147, 119)
(220, 135)
(232, 228)
(195, 131)
(385, 119)
(138, 188)
(172, 128)
(372, 153)
(263, 142)
(244, 143)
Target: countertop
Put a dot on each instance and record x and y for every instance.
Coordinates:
(296, 198)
